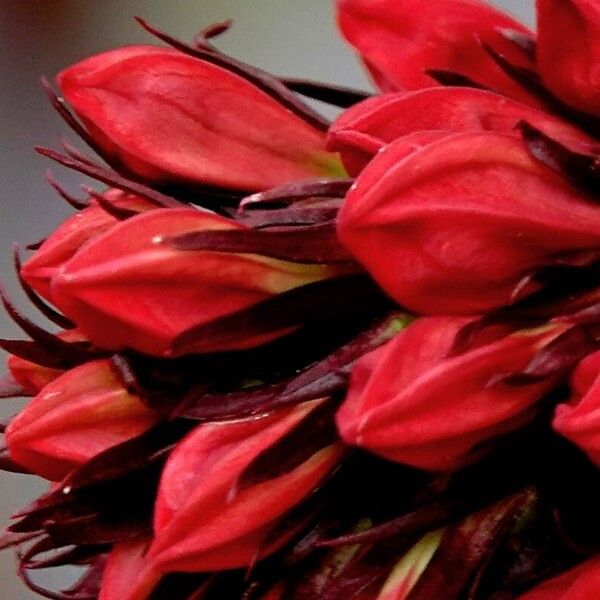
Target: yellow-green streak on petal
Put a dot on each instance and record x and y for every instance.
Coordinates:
(328, 164)
(407, 571)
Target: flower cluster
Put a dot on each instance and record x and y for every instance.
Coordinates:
(310, 360)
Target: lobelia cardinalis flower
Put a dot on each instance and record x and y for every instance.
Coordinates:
(191, 121)
(444, 214)
(234, 524)
(207, 517)
(568, 51)
(417, 401)
(367, 127)
(131, 288)
(64, 242)
(75, 417)
(579, 583)
(579, 419)
(401, 40)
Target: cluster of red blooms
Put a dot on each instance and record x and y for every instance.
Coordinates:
(310, 360)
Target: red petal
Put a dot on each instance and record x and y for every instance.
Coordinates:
(75, 417)
(412, 402)
(171, 117)
(361, 131)
(568, 51)
(130, 289)
(462, 221)
(71, 235)
(400, 39)
(198, 524)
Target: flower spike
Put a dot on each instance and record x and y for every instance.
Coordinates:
(303, 360)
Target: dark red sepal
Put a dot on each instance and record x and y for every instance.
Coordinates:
(450, 78)
(531, 81)
(118, 212)
(87, 588)
(61, 108)
(287, 194)
(33, 352)
(35, 245)
(310, 304)
(201, 39)
(9, 539)
(292, 216)
(132, 455)
(108, 499)
(558, 358)
(315, 432)
(58, 351)
(75, 153)
(111, 178)
(76, 203)
(466, 546)
(331, 94)
(582, 169)
(316, 244)
(336, 95)
(61, 556)
(321, 379)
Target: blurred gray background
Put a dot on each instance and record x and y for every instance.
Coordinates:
(288, 37)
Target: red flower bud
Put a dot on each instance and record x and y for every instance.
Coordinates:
(400, 40)
(580, 583)
(131, 288)
(203, 522)
(568, 51)
(32, 377)
(361, 131)
(170, 117)
(418, 402)
(464, 222)
(71, 235)
(75, 417)
(198, 524)
(579, 420)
